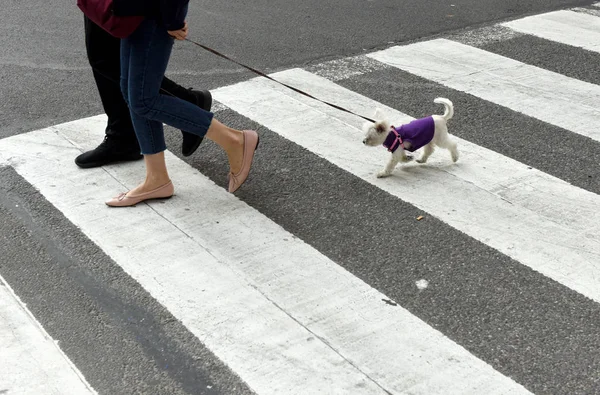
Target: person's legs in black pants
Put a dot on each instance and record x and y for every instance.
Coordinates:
(202, 99)
(120, 143)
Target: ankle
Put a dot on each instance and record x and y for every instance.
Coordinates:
(156, 180)
(235, 137)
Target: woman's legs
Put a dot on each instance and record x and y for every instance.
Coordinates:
(231, 140)
(149, 133)
(145, 55)
(156, 173)
(144, 58)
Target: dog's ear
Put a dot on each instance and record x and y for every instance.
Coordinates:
(379, 114)
(380, 127)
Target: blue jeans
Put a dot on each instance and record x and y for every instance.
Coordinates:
(144, 58)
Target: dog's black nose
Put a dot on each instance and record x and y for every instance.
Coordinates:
(365, 141)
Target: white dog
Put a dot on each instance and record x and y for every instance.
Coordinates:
(425, 132)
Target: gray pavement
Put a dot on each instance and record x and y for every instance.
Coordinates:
(45, 78)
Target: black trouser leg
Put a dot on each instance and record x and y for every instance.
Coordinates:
(104, 53)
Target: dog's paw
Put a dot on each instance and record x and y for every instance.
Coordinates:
(383, 174)
(421, 160)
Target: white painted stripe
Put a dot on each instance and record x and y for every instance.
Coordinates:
(280, 314)
(567, 27)
(31, 361)
(539, 220)
(550, 97)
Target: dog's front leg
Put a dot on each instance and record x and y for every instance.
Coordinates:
(389, 167)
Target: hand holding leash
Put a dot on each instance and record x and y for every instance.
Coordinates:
(180, 34)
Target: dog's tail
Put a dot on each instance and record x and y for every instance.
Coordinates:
(449, 107)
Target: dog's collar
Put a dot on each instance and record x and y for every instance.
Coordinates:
(393, 140)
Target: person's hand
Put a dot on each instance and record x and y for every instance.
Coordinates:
(180, 34)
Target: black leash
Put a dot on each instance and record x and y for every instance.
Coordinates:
(256, 72)
(274, 80)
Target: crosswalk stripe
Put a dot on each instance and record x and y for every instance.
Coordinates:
(590, 11)
(539, 220)
(32, 363)
(567, 27)
(550, 97)
(280, 314)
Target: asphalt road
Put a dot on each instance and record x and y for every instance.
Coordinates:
(45, 79)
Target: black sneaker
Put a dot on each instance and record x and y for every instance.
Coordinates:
(109, 151)
(191, 142)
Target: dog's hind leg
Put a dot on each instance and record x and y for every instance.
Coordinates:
(427, 151)
(450, 145)
(453, 151)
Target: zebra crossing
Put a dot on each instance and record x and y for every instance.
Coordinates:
(32, 361)
(573, 28)
(509, 247)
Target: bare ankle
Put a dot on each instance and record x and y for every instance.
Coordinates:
(236, 137)
(157, 180)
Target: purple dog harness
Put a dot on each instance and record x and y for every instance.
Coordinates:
(418, 133)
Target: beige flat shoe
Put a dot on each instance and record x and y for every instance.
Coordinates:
(251, 141)
(122, 200)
